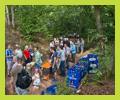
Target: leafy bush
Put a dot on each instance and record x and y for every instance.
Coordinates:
(63, 20)
(63, 89)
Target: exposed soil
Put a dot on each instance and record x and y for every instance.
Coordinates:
(106, 88)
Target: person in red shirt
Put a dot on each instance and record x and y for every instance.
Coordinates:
(26, 54)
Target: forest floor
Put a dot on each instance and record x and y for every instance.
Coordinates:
(106, 87)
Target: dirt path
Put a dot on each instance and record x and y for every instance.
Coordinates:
(106, 88)
(12, 37)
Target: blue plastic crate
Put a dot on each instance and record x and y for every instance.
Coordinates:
(93, 65)
(92, 56)
(74, 83)
(82, 65)
(73, 79)
(74, 75)
(78, 72)
(52, 90)
(93, 62)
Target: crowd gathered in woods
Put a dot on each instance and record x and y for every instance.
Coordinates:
(61, 52)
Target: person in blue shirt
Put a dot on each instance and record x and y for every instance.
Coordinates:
(73, 51)
(9, 59)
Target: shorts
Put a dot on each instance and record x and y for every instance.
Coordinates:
(38, 66)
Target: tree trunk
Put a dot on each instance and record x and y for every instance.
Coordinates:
(12, 16)
(98, 19)
(113, 61)
(99, 28)
(7, 16)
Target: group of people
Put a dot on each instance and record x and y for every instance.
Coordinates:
(17, 56)
(61, 52)
(18, 59)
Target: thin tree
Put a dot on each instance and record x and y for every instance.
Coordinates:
(97, 11)
(98, 19)
(12, 16)
(7, 16)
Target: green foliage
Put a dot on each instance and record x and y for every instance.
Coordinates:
(97, 76)
(63, 89)
(54, 21)
(63, 20)
(106, 62)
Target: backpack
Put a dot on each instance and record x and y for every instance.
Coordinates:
(23, 79)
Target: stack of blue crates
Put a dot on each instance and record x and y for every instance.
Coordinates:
(73, 77)
(93, 62)
(76, 73)
(79, 70)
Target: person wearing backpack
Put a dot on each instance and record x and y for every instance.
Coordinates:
(9, 59)
(23, 82)
(16, 68)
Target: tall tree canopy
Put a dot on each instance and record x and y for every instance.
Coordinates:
(87, 21)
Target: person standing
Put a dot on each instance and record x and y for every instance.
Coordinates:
(9, 59)
(16, 68)
(82, 43)
(77, 43)
(67, 54)
(36, 79)
(62, 61)
(58, 57)
(26, 54)
(17, 53)
(38, 58)
(53, 57)
(31, 52)
(73, 51)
